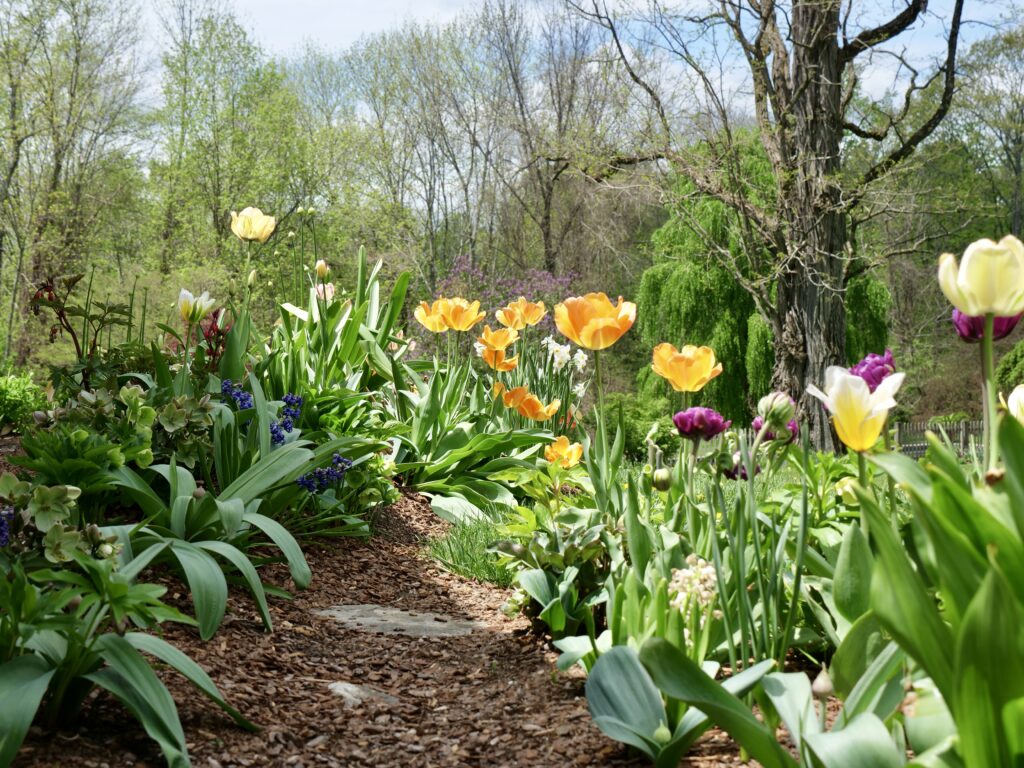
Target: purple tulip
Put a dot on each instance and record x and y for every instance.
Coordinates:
(700, 423)
(972, 329)
(874, 368)
(770, 436)
(737, 470)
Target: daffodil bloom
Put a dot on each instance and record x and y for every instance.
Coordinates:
(592, 321)
(687, 369)
(431, 316)
(521, 313)
(1015, 403)
(495, 358)
(498, 340)
(530, 407)
(461, 315)
(252, 224)
(321, 269)
(567, 455)
(988, 280)
(858, 414)
(193, 308)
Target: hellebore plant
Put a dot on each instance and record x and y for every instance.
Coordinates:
(989, 283)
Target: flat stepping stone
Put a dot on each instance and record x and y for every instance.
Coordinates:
(354, 694)
(387, 620)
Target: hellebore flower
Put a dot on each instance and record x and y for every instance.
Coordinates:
(321, 269)
(988, 280)
(252, 224)
(461, 315)
(565, 454)
(194, 308)
(700, 423)
(431, 316)
(874, 368)
(687, 369)
(858, 413)
(520, 313)
(972, 329)
(1015, 403)
(592, 321)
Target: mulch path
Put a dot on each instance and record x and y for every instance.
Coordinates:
(491, 698)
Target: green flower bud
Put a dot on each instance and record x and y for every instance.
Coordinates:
(777, 409)
(663, 478)
(663, 735)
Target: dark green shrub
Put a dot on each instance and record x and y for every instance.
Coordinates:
(1010, 371)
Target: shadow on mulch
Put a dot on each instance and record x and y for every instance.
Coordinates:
(492, 698)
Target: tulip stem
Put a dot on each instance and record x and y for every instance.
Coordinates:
(989, 392)
(600, 403)
(862, 478)
(891, 484)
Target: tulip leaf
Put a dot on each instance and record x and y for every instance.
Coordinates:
(851, 586)
(864, 743)
(23, 683)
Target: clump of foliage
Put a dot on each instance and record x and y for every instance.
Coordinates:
(20, 397)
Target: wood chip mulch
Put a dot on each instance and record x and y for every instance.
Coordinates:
(491, 698)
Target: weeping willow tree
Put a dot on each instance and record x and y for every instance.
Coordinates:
(688, 297)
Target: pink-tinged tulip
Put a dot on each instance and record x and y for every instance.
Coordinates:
(972, 329)
(874, 368)
(700, 423)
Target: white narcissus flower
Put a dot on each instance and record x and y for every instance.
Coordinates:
(989, 278)
(579, 390)
(561, 354)
(857, 413)
(580, 360)
(1015, 403)
(479, 348)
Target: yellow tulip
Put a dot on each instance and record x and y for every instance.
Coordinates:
(431, 316)
(564, 453)
(496, 359)
(252, 224)
(321, 269)
(858, 414)
(989, 278)
(592, 321)
(498, 340)
(521, 313)
(688, 369)
(530, 407)
(194, 308)
(461, 315)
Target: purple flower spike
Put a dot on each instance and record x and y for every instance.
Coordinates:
(700, 423)
(792, 428)
(874, 368)
(972, 329)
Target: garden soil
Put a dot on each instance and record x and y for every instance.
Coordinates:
(489, 698)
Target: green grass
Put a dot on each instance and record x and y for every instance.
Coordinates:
(463, 550)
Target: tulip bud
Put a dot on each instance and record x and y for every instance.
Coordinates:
(300, 210)
(662, 734)
(198, 493)
(822, 686)
(776, 409)
(291, 233)
(663, 478)
(251, 281)
(310, 211)
(322, 269)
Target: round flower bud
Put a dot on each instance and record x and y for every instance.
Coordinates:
(663, 478)
(822, 686)
(300, 210)
(106, 550)
(662, 734)
(322, 269)
(776, 409)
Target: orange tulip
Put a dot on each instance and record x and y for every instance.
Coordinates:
(688, 369)
(461, 315)
(564, 453)
(498, 340)
(496, 359)
(512, 398)
(431, 316)
(521, 313)
(531, 408)
(497, 390)
(592, 321)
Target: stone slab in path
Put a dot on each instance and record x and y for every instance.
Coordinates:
(356, 694)
(388, 620)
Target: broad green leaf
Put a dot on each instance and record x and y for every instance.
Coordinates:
(790, 694)
(130, 678)
(679, 677)
(245, 567)
(297, 565)
(851, 585)
(623, 700)
(207, 584)
(170, 655)
(864, 743)
(23, 682)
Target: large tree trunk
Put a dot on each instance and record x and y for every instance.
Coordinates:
(809, 302)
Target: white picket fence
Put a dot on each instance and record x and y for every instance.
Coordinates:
(910, 435)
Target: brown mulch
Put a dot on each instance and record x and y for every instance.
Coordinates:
(492, 698)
